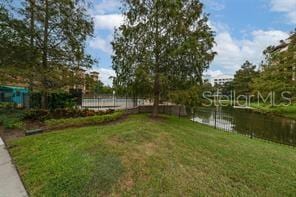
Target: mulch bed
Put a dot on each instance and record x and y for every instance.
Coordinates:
(10, 134)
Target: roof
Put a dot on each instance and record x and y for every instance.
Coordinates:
(13, 87)
(284, 43)
(279, 47)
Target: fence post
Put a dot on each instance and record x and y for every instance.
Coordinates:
(113, 99)
(125, 102)
(215, 118)
(192, 114)
(93, 102)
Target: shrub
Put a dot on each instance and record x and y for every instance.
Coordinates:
(7, 105)
(36, 114)
(11, 118)
(73, 113)
(41, 114)
(55, 100)
(12, 123)
(109, 111)
(80, 121)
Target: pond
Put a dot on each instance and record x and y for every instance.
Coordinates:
(273, 128)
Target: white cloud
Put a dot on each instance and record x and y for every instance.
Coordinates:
(106, 17)
(102, 44)
(105, 74)
(261, 39)
(107, 6)
(286, 6)
(218, 26)
(232, 53)
(214, 5)
(227, 50)
(214, 73)
(108, 21)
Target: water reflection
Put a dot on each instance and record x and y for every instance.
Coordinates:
(273, 128)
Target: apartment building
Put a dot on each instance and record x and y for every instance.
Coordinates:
(84, 78)
(222, 79)
(282, 47)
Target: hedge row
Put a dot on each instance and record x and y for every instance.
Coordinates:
(82, 121)
(43, 114)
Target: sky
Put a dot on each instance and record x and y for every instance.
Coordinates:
(243, 29)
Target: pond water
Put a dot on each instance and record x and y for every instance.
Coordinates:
(272, 128)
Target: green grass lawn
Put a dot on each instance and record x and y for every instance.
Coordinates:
(143, 156)
(286, 111)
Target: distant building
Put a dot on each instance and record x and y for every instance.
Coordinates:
(94, 75)
(222, 79)
(14, 94)
(84, 76)
(79, 80)
(283, 46)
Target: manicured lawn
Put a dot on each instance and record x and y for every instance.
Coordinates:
(143, 156)
(286, 111)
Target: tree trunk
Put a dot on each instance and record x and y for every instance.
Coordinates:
(156, 94)
(44, 99)
(32, 23)
(44, 58)
(156, 88)
(32, 45)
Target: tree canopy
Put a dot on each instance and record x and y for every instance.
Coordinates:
(279, 70)
(243, 78)
(163, 46)
(44, 42)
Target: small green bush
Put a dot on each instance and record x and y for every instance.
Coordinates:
(36, 114)
(61, 113)
(55, 100)
(80, 121)
(11, 118)
(7, 105)
(12, 123)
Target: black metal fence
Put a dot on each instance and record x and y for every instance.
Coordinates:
(248, 123)
(215, 118)
(103, 102)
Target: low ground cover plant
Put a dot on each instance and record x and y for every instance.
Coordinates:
(14, 118)
(42, 114)
(80, 121)
(11, 118)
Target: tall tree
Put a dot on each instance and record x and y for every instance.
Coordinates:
(279, 70)
(243, 78)
(13, 45)
(42, 43)
(168, 42)
(15, 50)
(58, 30)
